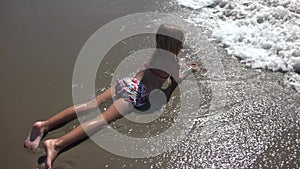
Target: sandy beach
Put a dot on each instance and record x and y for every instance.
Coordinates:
(39, 44)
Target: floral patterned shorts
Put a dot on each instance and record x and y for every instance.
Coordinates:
(133, 91)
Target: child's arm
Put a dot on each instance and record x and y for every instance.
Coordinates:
(169, 90)
(193, 69)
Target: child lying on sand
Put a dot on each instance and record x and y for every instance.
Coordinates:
(130, 93)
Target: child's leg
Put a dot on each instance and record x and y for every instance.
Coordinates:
(54, 146)
(41, 127)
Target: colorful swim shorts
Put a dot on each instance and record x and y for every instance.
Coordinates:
(133, 91)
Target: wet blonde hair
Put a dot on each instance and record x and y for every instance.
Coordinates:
(170, 37)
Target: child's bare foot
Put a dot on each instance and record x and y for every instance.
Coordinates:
(34, 137)
(51, 152)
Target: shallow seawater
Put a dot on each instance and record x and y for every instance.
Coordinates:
(256, 124)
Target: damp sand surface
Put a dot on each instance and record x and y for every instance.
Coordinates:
(256, 125)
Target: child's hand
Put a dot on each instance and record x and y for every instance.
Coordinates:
(194, 67)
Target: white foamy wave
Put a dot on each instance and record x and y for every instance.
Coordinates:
(195, 4)
(262, 33)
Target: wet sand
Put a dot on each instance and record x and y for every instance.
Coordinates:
(39, 44)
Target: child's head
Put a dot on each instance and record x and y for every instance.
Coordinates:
(170, 38)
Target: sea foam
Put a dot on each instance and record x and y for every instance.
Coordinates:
(262, 33)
